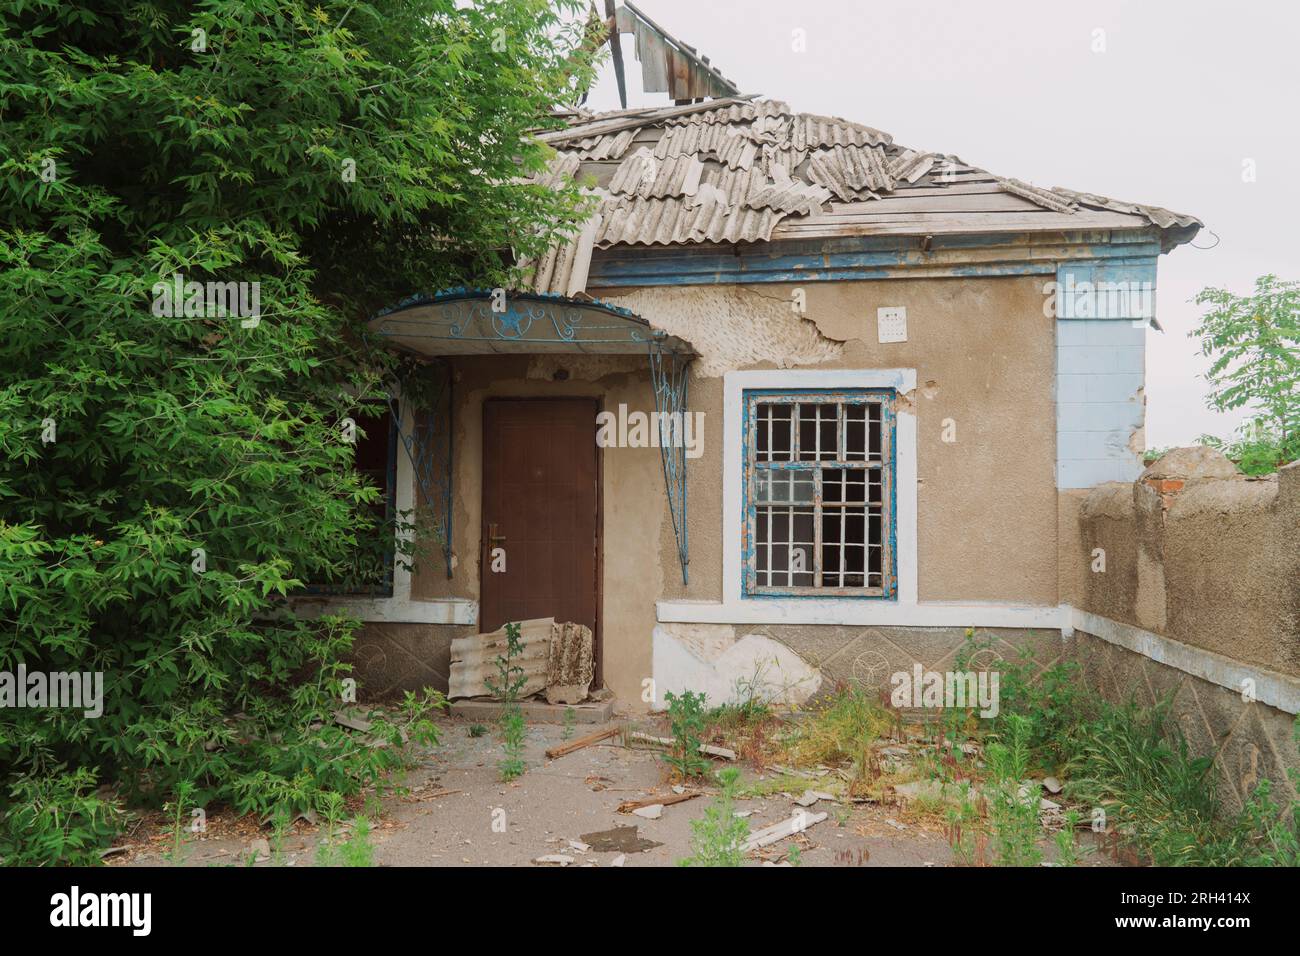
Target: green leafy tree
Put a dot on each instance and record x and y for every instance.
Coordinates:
(171, 473)
(1253, 343)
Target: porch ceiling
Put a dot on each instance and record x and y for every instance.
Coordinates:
(493, 322)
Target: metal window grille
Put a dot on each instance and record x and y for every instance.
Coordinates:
(819, 493)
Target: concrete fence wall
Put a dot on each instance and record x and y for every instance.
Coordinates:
(1193, 590)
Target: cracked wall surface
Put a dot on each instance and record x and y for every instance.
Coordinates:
(983, 352)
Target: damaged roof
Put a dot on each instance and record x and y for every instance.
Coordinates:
(741, 169)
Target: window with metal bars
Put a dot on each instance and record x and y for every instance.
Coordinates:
(819, 493)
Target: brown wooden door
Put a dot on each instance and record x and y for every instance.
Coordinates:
(540, 504)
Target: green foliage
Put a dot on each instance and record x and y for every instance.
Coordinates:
(57, 816)
(513, 729)
(1014, 827)
(1054, 702)
(1253, 343)
(843, 728)
(177, 814)
(718, 836)
(355, 851)
(570, 717)
(477, 730)
(131, 152)
(688, 718)
(510, 681)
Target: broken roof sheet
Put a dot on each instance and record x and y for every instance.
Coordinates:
(740, 169)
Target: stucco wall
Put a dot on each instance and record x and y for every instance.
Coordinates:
(1214, 563)
(984, 356)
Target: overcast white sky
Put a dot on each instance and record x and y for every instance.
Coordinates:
(1184, 93)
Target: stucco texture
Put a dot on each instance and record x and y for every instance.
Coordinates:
(1213, 563)
(984, 356)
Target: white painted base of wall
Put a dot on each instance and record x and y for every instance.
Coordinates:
(1265, 686)
(728, 670)
(394, 610)
(858, 612)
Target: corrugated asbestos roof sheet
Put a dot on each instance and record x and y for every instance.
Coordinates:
(745, 170)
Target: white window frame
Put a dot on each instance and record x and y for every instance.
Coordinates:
(832, 609)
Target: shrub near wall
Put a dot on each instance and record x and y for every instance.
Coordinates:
(173, 472)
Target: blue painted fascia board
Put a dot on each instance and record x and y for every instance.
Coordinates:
(847, 259)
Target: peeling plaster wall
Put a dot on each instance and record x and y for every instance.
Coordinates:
(797, 664)
(1213, 563)
(985, 350)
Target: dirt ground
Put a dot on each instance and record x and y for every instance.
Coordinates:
(457, 812)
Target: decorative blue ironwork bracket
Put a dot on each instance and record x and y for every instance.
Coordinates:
(670, 376)
(426, 436)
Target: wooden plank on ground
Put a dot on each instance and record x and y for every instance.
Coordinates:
(581, 742)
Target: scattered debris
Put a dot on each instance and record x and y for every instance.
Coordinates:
(577, 846)
(581, 742)
(619, 840)
(261, 850)
(1052, 785)
(632, 806)
(554, 859)
(709, 749)
(618, 860)
(779, 831)
(809, 797)
(895, 824)
(653, 812)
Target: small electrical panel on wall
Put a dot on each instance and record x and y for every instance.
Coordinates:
(891, 323)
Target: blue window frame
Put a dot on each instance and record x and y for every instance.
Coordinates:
(819, 493)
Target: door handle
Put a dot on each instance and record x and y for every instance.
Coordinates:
(493, 537)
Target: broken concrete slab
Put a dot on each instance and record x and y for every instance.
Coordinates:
(570, 664)
(554, 859)
(798, 823)
(652, 812)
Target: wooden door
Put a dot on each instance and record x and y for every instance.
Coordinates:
(541, 507)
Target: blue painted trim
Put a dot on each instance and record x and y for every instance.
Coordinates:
(862, 258)
(888, 419)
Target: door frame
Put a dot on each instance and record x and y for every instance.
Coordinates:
(598, 405)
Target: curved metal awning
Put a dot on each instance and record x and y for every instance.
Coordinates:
(502, 322)
(498, 322)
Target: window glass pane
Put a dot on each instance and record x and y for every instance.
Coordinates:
(850, 515)
(772, 439)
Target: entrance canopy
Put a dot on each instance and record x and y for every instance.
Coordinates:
(502, 322)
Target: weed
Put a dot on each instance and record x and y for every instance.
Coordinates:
(1013, 806)
(355, 851)
(1067, 848)
(687, 717)
(176, 824)
(477, 730)
(843, 729)
(510, 681)
(513, 730)
(570, 718)
(794, 854)
(717, 837)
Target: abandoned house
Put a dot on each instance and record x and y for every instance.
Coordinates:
(798, 404)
